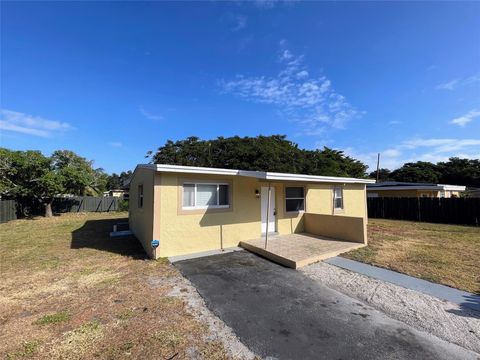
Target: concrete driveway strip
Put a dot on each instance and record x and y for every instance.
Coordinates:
(280, 313)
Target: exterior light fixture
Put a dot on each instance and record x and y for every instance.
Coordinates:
(257, 193)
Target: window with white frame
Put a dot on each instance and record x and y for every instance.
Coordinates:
(338, 197)
(206, 195)
(294, 198)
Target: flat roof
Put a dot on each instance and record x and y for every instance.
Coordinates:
(261, 175)
(391, 185)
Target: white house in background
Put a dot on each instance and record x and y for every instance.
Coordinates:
(405, 189)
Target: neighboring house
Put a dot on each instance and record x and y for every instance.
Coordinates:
(405, 189)
(195, 209)
(115, 193)
(473, 192)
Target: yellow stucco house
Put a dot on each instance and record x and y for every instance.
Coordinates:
(187, 210)
(405, 189)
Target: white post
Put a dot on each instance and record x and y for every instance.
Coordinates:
(268, 211)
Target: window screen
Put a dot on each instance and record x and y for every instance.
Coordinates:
(294, 198)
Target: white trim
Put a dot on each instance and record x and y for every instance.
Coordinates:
(262, 175)
(189, 169)
(425, 187)
(315, 178)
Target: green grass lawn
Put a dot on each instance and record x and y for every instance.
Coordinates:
(445, 254)
(68, 291)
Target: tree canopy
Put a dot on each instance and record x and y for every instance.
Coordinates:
(262, 153)
(455, 171)
(30, 174)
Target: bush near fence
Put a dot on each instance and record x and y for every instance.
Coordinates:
(461, 211)
(13, 209)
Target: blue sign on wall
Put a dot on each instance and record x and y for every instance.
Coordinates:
(155, 243)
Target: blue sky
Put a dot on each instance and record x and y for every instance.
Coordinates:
(111, 81)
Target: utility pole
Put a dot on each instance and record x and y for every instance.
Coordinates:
(378, 166)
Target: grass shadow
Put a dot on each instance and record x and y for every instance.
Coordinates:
(95, 234)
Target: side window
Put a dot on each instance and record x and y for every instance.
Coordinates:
(140, 196)
(337, 197)
(294, 198)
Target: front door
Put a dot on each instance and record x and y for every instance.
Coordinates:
(272, 212)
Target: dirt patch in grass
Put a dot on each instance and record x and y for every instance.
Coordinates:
(71, 292)
(446, 254)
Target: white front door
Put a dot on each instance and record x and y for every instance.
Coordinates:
(272, 212)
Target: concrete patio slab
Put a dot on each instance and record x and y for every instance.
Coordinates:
(297, 250)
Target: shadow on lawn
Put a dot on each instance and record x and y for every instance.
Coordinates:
(95, 234)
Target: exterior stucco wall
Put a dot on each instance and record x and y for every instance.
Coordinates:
(348, 228)
(320, 200)
(141, 219)
(183, 231)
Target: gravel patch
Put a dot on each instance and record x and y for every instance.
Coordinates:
(218, 331)
(443, 319)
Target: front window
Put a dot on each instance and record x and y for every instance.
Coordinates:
(294, 199)
(205, 196)
(338, 198)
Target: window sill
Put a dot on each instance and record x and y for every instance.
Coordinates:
(205, 207)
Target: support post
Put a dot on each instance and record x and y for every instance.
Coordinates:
(268, 212)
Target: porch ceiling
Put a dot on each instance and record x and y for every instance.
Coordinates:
(297, 250)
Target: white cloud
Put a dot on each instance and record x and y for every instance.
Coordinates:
(465, 119)
(420, 149)
(456, 83)
(394, 122)
(149, 115)
(31, 125)
(310, 102)
(240, 22)
(115, 144)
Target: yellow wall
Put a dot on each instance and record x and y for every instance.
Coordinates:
(320, 200)
(182, 232)
(141, 219)
(348, 228)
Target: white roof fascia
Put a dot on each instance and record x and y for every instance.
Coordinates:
(192, 169)
(432, 187)
(315, 178)
(453, 187)
(262, 175)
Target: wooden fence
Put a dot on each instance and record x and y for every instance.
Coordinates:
(10, 209)
(462, 211)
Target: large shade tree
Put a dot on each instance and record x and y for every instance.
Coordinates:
(30, 174)
(262, 153)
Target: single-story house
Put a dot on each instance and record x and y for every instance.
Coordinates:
(186, 210)
(405, 189)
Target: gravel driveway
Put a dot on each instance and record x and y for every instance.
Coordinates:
(423, 312)
(284, 314)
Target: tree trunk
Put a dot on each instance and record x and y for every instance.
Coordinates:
(48, 208)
